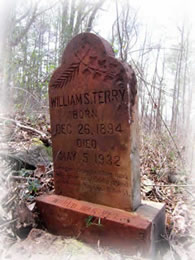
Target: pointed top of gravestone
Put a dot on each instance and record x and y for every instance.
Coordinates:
(93, 112)
(84, 41)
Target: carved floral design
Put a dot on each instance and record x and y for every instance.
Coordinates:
(92, 66)
(64, 77)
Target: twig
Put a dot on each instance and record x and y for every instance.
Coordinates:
(8, 222)
(5, 200)
(17, 123)
(170, 185)
(49, 172)
(118, 31)
(28, 92)
(153, 48)
(19, 178)
(191, 194)
(5, 204)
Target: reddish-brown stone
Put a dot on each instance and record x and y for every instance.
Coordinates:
(129, 231)
(93, 108)
(93, 112)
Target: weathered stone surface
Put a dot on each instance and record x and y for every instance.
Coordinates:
(93, 108)
(131, 232)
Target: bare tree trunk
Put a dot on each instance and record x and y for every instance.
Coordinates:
(93, 14)
(185, 81)
(159, 104)
(124, 30)
(173, 118)
(153, 92)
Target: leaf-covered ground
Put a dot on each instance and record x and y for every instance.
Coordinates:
(27, 171)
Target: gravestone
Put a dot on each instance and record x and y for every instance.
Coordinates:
(93, 109)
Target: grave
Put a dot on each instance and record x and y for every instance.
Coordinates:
(94, 124)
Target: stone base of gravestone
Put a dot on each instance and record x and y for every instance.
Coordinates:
(132, 232)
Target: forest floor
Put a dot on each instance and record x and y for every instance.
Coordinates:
(26, 171)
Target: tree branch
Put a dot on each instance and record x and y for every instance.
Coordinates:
(17, 123)
(30, 22)
(93, 14)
